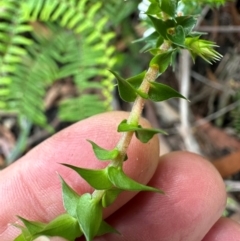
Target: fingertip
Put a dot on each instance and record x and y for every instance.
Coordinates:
(224, 229)
(190, 175)
(194, 200)
(192, 167)
(195, 190)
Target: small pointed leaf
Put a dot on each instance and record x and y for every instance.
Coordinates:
(124, 126)
(169, 7)
(143, 134)
(103, 154)
(89, 214)
(159, 25)
(24, 236)
(64, 226)
(136, 80)
(162, 60)
(126, 91)
(149, 40)
(106, 228)
(20, 238)
(162, 26)
(161, 92)
(70, 198)
(153, 9)
(187, 22)
(122, 181)
(159, 42)
(32, 226)
(96, 178)
(178, 37)
(110, 196)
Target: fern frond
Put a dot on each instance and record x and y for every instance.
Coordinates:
(29, 63)
(12, 44)
(29, 83)
(118, 10)
(81, 107)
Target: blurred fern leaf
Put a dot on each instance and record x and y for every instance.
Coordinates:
(47, 40)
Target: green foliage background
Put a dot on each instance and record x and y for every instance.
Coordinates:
(44, 41)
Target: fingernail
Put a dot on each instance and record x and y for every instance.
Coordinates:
(42, 238)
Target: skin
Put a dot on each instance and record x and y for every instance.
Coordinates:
(190, 210)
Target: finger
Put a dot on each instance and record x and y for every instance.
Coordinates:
(31, 188)
(194, 201)
(224, 229)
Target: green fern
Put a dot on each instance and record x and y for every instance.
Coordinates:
(84, 106)
(71, 43)
(122, 8)
(29, 82)
(12, 45)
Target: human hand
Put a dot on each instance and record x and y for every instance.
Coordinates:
(189, 211)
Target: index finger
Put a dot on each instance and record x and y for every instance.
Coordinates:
(31, 188)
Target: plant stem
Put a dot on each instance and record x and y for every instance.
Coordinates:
(135, 115)
(137, 108)
(133, 119)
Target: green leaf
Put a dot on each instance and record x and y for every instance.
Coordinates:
(169, 6)
(110, 196)
(126, 91)
(96, 178)
(70, 198)
(159, 25)
(6, 80)
(106, 228)
(124, 127)
(150, 41)
(162, 60)
(24, 236)
(89, 214)
(122, 181)
(143, 134)
(20, 40)
(153, 9)
(142, 94)
(178, 37)
(162, 26)
(64, 226)
(20, 238)
(159, 42)
(187, 22)
(32, 226)
(136, 80)
(161, 92)
(103, 154)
